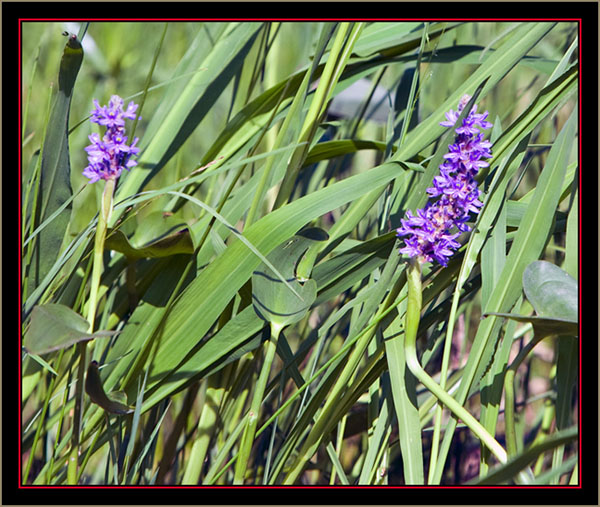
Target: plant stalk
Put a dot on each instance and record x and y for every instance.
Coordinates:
(98, 265)
(413, 317)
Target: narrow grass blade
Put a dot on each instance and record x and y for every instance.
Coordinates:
(504, 473)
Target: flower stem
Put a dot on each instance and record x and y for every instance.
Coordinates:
(103, 217)
(413, 315)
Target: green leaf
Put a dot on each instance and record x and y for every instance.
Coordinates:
(544, 326)
(162, 235)
(553, 294)
(393, 39)
(239, 336)
(55, 176)
(380, 36)
(551, 291)
(404, 394)
(272, 300)
(339, 147)
(145, 318)
(54, 327)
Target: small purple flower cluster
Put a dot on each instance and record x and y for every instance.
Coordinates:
(109, 155)
(429, 234)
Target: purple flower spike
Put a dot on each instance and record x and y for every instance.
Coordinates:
(109, 155)
(428, 235)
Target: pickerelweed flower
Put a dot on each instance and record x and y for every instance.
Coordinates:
(110, 154)
(431, 234)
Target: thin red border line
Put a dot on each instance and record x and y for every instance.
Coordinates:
(580, 422)
(304, 19)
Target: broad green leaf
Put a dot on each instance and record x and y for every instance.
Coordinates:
(475, 55)
(515, 211)
(380, 36)
(493, 257)
(394, 39)
(54, 327)
(272, 300)
(553, 295)
(330, 149)
(162, 235)
(55, 177)
(238, 337)
(551, 291)
(145, 318)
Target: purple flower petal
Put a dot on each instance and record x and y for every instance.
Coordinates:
(109, 155)
(428, 235)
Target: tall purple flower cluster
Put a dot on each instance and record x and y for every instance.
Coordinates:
(430, 235)
(110, 154)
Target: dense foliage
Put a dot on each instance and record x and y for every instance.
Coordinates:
(231, 308)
